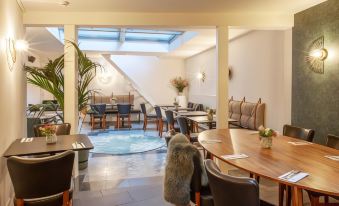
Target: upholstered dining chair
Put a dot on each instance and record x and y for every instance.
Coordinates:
(42, 181)
(60, 129)
(161, 120)
(333, 142)
(170, 120)
(124, 111)
(298, 133)
(99, 113)
(184, 129)
(147, 116)
(229, 190)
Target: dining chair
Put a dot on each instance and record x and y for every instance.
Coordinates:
(161, 120)
(99, 113)
(229, 190)
(170, 120)
(185, 129)
(333, 142)
(147, 116)
(124, 111)
(60, 129)
(298, 133)
(42, 181)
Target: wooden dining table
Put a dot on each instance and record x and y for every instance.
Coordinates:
(280, 159)
(190, 113)
(204, 120)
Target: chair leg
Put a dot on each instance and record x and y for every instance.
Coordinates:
(19, 202)
(104, 122)
(282, 188)
(118, 121)
(157, 123)
(197, 198)
(314, 200)
(326, 199)
(92, 122)
(129, 121)
(145, 124)
(65, 198)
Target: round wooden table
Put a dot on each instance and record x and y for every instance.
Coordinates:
(281, 158)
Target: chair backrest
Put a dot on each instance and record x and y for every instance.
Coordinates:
(183, 125)
(333, 141)
(31, 122)
(298, 132)
(169, 117)
(99, 108)
(143, 108)
(60, 129)
(190, 105)
(124, 108)
(228, 190)
(158, 112)
(41, 177)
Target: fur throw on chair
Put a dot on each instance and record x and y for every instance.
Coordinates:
(179, 170)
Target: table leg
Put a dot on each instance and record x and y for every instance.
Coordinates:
(297, 196)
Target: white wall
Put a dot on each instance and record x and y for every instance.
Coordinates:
(12, 91)
(152, 75)
(261, 66)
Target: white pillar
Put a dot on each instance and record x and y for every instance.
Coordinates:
(71, 113)
(222, 77)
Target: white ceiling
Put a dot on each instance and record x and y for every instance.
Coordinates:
(43, 43)
(230, 6)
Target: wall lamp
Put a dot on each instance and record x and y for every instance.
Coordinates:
(12, 46)
(201, 76)
(316, 56)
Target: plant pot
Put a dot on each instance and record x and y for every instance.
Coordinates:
(51, 139)
(266, 142)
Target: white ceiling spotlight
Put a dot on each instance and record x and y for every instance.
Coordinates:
(65, 3)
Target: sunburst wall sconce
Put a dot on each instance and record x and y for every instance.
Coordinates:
(10, 52)
(202, 76)
(317, 54)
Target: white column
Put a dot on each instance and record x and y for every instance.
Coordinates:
(71, 114)
(222, 77)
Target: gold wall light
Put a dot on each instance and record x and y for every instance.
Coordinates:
(10, 53)
(316, 56)
(201, 76)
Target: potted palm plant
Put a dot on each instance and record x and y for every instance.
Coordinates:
(51, 78)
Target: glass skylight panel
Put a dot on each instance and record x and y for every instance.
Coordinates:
(98, 33)
(151, 35)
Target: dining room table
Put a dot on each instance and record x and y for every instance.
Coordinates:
(286, 154)
(196, 120)
(186, 113)
(38, 145)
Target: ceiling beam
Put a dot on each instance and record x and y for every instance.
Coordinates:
(246, 20)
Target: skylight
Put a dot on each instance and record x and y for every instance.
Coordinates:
(122, 35)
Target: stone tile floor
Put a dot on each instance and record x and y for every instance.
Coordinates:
(137, 180)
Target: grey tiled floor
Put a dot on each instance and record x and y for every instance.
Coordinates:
(136, 180)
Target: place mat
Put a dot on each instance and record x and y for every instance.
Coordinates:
(293, 176)
(26, 140)
(332, 157)
(77, 145)
(234, 156)
(212, 141)
(300, 143)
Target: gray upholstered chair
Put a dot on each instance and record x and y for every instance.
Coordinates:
(235, 191)
(147, 116)
(42, 181)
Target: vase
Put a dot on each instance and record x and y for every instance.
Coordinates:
(51, 139)
(266, 142)
(182, 101)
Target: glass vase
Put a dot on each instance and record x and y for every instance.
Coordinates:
(266, 142)
(51, 139)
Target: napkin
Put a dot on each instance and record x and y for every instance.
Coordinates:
(212, 141)
(78, 145)
(293, 176)
(332, 157)
(234, 156)
(300, 143)
(26, 140)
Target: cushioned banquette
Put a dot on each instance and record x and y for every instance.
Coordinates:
(248, 115)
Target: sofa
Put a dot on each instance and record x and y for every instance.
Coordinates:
(248, 115)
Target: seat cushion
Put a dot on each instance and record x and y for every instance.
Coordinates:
(248, 112)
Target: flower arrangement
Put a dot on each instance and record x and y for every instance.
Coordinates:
(179, 83)
(265, 136)
(267, 132)
(47, 130)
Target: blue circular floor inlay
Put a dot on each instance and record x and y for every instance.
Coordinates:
(124, 142)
